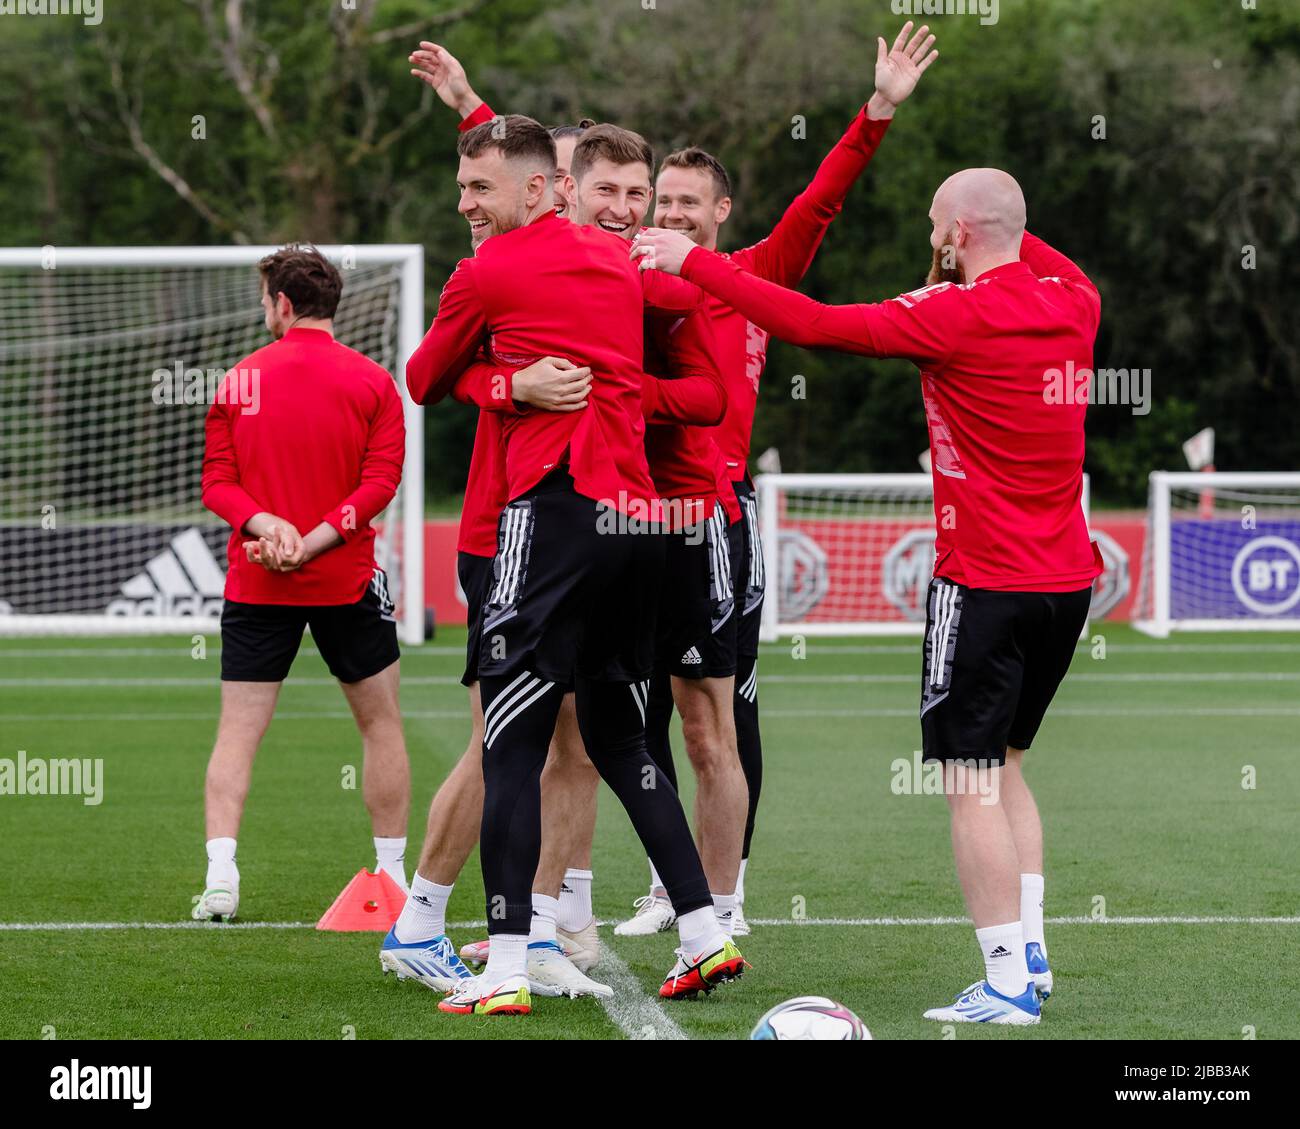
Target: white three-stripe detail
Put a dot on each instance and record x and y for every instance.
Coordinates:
(749, 688)
(513, 700)
(945, 605)
(640, 692)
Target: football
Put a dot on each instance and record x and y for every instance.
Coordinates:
(810, 1017)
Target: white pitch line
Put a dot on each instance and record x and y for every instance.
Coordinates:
(104, 926)
(181, 649)
(637, 1015)
(621, 968)
(910, 712)
(208, 682)
(884, 921)
(764, 680)
(766, 648)
(1134, 676)
(1084, 644)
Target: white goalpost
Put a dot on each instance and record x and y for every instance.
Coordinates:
(848, 554)
(108, 361)
(1222, 553)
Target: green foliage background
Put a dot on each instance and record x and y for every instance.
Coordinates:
(315, 130)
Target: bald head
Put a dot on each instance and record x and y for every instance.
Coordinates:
(986, 207)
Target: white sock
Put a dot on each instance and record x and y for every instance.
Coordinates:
(575, 901)
(545, 909)
(700, 932)
(724, 909)
(1003, 947)
(390, 856)
(424, 916)
(222, 871)
(657, 887)
(507, 956)
(740, 882)
(1031, 910)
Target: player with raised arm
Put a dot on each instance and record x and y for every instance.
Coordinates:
(609, 187)
(578, 547)
(693, 196)
(321, 449)
(417, 946)
(1014, 564)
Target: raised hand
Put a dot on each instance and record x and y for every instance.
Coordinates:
(438, 68)
(900, 67)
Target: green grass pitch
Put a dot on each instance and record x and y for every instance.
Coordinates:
(1139, 774)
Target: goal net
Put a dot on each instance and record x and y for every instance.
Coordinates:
(847, 554)
(1222, 553)
(109, 359)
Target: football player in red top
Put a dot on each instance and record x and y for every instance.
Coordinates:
(579, 544)
(1003, 315)
(693, 196)
(320, 449)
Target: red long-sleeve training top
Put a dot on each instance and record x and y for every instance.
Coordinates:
(551, 288)
(685, 464)
(783, 257)
(1007, 452)
(681, 403)
(321, 438)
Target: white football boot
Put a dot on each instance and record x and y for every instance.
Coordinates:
(551, 973)
(980, 1003)
(432, 962)
(217, 903)
(581, 947)
(653, 915)
(739, 926)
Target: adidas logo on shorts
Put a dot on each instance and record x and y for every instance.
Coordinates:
(692, 657)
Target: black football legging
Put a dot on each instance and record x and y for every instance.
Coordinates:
(659, 713)
(519, 712)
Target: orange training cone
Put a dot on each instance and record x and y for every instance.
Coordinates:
(369, 903)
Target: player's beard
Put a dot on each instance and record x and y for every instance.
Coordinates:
(498, 225)
(939, 271)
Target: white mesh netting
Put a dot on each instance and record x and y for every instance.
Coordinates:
(100, 458)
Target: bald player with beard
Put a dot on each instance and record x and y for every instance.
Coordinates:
(1014, 564)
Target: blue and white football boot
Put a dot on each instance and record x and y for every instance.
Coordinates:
(1039, 973)
(433, 962)
(980, 1003)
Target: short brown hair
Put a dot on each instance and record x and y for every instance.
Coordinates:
(560, 131)
(517, 137)
(613, 143)
(309, 280)
(696, 158)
